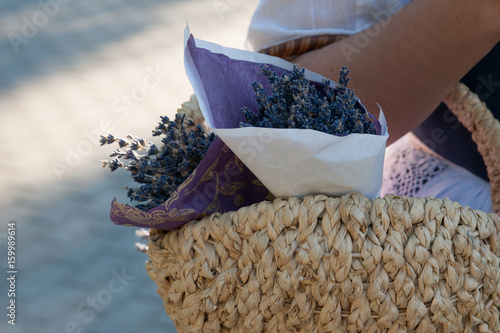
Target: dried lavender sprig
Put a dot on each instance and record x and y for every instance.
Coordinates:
(295, 103)
(160, 170)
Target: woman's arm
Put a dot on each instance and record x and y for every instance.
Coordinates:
(409, 62)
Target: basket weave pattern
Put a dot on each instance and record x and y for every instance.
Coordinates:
(323, 264)
(485, 130)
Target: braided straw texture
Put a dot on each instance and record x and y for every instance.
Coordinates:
(191, 110)
(292, 48)
(321, 264)
(485, 129)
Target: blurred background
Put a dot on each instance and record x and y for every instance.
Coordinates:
(70, 71)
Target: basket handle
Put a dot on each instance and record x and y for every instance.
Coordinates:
(485, 130)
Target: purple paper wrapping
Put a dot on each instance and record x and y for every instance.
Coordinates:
(220, 183)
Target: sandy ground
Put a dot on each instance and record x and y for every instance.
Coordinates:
(70, 71)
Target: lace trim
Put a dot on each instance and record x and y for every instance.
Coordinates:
(409, 166)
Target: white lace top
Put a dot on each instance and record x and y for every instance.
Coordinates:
(276, 21)
(411, 169)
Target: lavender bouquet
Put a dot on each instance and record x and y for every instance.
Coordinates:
(288, 161)
(280, 131)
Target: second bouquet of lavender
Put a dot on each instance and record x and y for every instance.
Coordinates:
(188, 175)
(160, 171)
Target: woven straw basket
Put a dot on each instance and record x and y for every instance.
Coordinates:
(349, 264)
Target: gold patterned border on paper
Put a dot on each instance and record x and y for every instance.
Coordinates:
(220, 183)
